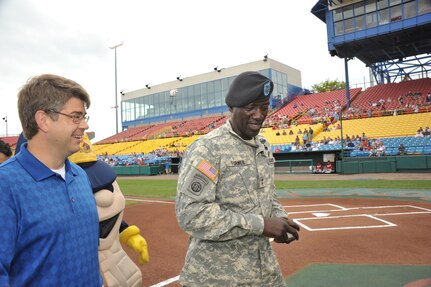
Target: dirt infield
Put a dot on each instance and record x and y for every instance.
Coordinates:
(339, 230)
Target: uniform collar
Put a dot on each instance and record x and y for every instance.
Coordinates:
(259, 141)
(250, 143)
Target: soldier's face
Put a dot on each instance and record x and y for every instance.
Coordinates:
(247, 121)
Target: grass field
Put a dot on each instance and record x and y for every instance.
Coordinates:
(167, 188)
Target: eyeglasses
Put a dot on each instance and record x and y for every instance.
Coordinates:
(77, 119)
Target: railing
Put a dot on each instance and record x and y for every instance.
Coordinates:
(294, 166)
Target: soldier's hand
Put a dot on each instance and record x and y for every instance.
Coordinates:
(283, 230)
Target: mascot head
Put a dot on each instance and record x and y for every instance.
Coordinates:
(100, 173)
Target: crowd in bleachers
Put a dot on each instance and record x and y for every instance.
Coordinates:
(308, 122)
(423, 132)
(356, 145)
(159, 156)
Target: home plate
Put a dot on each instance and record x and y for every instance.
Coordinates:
(320, 214)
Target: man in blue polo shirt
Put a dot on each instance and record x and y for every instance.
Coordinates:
(49, 231)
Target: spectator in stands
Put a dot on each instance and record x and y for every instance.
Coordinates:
(364, 145)
(225, 237)
(401, 100)
(5, 151)
(419, 134)
(373, 148)
(381, 149)
(350, 144)
(50, 227)
(335, 116)
(310, 134)
(426, 132)
(428, 99)
(297, 143)
(305, 137)
(401, 149)
(290, 132)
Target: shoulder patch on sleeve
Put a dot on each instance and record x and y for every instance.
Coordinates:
(207, 169)
(197, 184)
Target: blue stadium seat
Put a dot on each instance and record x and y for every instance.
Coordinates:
(391, 151)
(419, 150)
(354, 153)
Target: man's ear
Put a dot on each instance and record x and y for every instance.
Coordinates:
(42, 120)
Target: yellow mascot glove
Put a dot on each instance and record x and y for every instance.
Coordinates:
(134, 240)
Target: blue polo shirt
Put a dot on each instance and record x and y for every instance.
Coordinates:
(49, 227)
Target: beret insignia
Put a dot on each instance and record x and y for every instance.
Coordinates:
(267, 88)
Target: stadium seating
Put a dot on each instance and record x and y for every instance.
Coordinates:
(393, 91)
(177, 135)
(381, 127)
(300, 106)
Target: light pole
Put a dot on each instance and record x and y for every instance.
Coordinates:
(116, 104)
(5, 120)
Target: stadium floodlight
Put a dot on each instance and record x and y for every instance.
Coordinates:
(179, 78)
(217, 69)
(116, 103)
(265, 58)
(148, 86)
(173, 92)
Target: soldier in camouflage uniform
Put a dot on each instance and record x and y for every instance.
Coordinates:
(226, 198)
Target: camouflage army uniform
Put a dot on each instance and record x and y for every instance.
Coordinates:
(225, 188)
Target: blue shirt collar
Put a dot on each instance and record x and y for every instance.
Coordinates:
(36, 168)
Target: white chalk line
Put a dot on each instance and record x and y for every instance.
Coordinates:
(166, 282)
(149, 200)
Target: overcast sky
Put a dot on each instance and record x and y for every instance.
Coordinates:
(162, 40)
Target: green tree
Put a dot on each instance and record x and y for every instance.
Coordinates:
(328, 86)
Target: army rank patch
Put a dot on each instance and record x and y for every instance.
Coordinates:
(197, 184)
(207, 169)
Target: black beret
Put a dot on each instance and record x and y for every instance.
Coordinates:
(248, 87)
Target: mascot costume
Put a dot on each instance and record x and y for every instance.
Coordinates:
(116, 266)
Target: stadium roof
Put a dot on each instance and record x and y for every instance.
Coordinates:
(410, 41)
